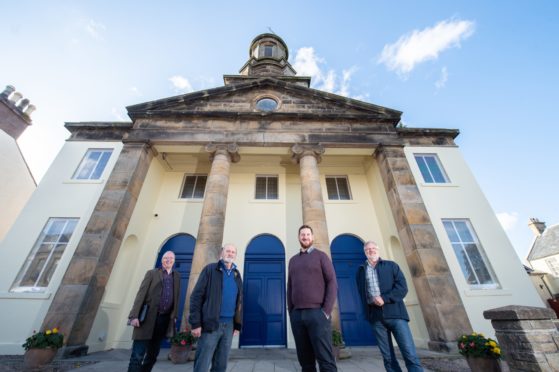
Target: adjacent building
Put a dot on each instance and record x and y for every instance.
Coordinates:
(16, 181)
(248, 163)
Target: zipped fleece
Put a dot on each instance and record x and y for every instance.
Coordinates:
(393, 289)
(205, 300)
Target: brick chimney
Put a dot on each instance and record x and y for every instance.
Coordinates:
(15, 112)
(537, 226)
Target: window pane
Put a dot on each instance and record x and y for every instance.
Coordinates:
(200, 187)
(343, 189)
(331, 188)
(470, 255)
(268, 51)
(435, 169)
(423, 169)
(272, 187)
(93, 164)
(101, 165)
(260, 188)
(463, 232)
(43, 258)
(188, 189)
(449, 227)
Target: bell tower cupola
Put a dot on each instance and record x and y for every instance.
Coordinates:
(268, 56)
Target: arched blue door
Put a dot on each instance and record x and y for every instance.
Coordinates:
(347, 255)
(183, 247)
(264, 315)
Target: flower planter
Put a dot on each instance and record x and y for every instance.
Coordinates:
(179, 354)
(37, 358)
(484, 364)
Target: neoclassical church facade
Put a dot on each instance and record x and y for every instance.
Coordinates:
(248, 163)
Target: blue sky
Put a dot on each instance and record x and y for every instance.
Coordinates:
(489, 69)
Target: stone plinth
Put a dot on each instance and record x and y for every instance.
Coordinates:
(528, 337)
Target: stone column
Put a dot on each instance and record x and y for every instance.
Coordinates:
(77, 300)
(443, 310)
(210, 231)
(314, 215)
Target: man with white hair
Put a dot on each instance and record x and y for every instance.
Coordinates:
(382, 288)
(215, 311)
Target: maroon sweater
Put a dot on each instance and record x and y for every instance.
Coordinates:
(311, 283)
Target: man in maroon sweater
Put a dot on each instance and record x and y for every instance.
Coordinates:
(311, 293)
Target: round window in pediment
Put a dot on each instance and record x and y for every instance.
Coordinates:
(266, 104)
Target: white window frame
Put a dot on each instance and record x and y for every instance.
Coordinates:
(439, 165)
(56, 244)
(196, 181)
(91, 166)
(266, 192)
(336, 179)
(461, 243)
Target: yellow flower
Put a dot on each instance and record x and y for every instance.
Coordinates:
(474, 334)
(48, 332)
(55, 330)
(497, 350)
(492, 343)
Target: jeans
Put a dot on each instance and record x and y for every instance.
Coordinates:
(145, 352)
(401, 331)
(213, 348)
(312, 332)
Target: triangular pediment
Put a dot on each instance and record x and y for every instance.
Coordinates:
(239, 100)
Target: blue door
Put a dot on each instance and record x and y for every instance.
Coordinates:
(183, 247)
(264, 315)
(347, 255)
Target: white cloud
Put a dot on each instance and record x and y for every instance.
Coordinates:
(508, 220)
(346, 77)
(95, 29)
(307, 63)
(118, 114)
(442, 79)
(423, 45)
(135, 91)
(181, 83)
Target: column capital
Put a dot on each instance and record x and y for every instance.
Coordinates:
(231, 150)
(301, 150)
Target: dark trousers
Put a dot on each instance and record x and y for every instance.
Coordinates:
(312, 332)
(145, 352)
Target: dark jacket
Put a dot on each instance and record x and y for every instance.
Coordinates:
(393, 289)
(150, 293)
(205, 300)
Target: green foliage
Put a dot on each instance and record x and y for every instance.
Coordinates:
(477, 345)
(41, 340)
(184, 338)
(337, 338)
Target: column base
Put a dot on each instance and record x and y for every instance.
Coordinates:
(443, 346)
(73, 351)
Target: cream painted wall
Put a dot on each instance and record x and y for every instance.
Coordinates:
(56, 196)
(463, 199)
(16, 182)
(551, 280)
(365, 216)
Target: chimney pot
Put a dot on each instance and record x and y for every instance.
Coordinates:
(537, 226)
(15, 97)
(29, 110)
(23, 104)
(7, 91)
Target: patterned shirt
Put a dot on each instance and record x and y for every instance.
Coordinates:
(372, 283)
(166, 301)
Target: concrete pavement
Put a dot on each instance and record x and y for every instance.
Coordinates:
(366, 359)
